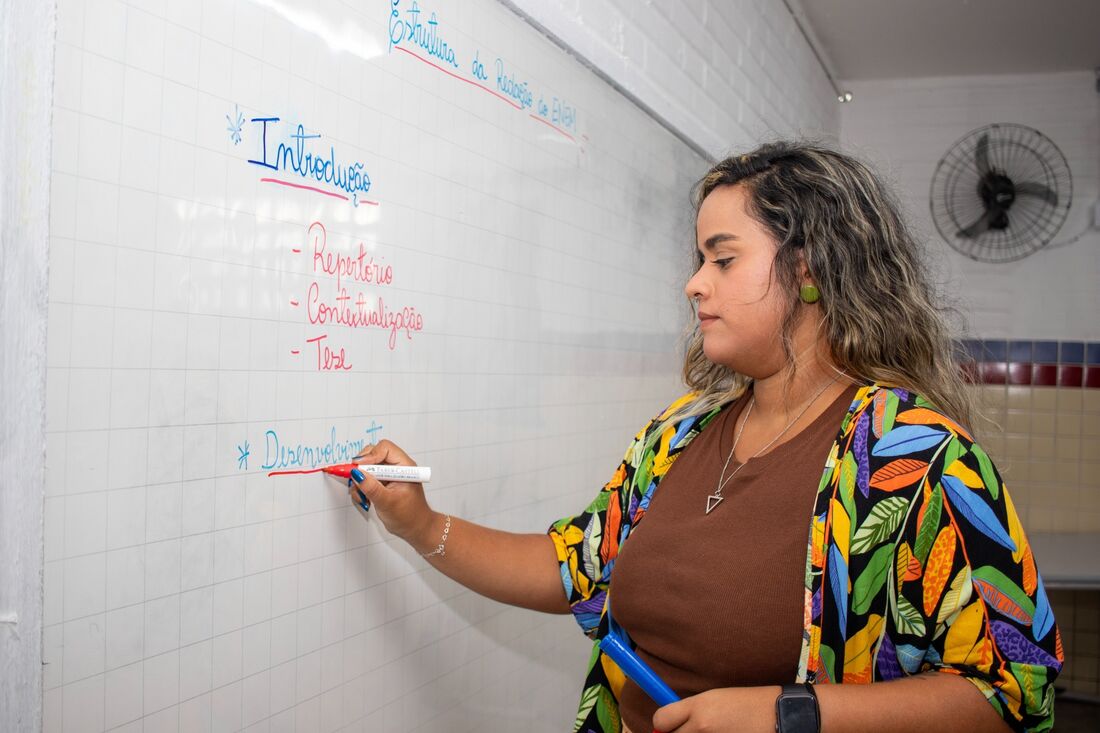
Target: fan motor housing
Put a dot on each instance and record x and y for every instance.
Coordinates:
(998, 194)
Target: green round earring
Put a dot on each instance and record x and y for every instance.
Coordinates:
(809, 293)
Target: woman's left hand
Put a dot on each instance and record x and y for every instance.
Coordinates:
(741, 709)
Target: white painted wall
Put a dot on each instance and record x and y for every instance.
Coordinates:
(729, 74)
(26, 75)
(906, 126)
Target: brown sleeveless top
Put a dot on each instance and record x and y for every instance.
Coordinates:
(717, 600)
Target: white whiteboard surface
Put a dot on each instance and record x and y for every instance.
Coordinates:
(484, 267)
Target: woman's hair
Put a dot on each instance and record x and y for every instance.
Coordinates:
(881, 319)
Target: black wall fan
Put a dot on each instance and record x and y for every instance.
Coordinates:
(1001, 193)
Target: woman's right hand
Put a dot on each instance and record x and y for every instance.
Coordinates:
(400, 506)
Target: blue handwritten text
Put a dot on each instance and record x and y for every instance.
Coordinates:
(279, 456)
(509, 87)
(351, 178)
(426, 36)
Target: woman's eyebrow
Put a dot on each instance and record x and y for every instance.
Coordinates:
(715, 239)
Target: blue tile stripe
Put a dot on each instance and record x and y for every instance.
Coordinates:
(1045, 363)
(1046, 352)
(1071, 352)
(1039, 352)
(1019, 350)
(994, 350)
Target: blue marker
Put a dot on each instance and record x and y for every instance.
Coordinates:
(634, 668)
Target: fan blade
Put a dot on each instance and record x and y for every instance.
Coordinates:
(1039, 191)
(981, 154)
(979, 227)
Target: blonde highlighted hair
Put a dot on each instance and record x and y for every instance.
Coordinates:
(881, 319)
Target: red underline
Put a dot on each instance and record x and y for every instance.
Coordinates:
(552, 126)
(287, 473)
(317, 190)
(460, 78)
(308, 188)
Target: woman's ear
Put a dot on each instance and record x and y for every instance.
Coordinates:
(808, 291)
(803, 268)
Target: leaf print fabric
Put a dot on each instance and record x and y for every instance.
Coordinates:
(961, 594)
(916, 561)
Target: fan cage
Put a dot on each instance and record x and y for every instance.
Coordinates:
(1024, 155)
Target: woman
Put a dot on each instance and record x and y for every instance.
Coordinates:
(824, 515)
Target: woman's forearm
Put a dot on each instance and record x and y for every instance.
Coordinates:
(518, 569)
(932, 701)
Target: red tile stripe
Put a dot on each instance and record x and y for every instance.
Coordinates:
(1005, 362)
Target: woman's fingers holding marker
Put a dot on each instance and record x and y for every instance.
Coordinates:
(364, 482)
(364, 489)
(400, 506)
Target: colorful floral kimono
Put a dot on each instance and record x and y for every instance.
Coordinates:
(915, 561)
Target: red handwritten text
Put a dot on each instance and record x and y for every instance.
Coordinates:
(362, 314)
(361, 268)
(327, 359)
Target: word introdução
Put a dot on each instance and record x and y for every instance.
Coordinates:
(300, 159)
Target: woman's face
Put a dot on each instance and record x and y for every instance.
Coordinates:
(740, 306)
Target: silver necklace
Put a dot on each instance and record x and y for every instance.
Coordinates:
(716, 498)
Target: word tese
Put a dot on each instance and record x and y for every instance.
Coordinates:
(329, 360)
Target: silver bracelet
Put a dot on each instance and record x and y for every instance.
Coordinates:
(441, 548)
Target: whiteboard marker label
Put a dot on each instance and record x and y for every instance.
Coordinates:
(414, 474)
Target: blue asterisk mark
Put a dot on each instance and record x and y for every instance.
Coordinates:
(242, 459)
(236, 124)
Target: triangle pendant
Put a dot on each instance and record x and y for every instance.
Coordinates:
(714, 500)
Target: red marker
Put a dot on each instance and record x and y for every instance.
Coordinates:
(382, 472)
(415, 474)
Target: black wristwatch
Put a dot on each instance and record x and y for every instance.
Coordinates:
(796, 710)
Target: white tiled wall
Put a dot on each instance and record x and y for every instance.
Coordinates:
(906, 126)
(152, 605)
(727, 73)
(181, 594)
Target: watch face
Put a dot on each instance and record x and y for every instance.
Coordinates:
(796, 713)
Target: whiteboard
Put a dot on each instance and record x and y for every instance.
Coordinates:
(283, 229)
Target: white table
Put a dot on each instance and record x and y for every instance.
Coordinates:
(1067, 560)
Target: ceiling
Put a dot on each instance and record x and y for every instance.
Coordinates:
(887, 39)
